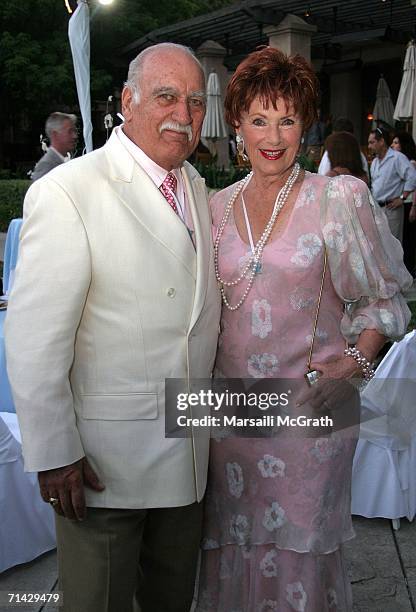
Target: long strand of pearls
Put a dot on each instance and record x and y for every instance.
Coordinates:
(250, 269)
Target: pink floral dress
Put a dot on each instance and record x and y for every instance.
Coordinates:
(278, 511)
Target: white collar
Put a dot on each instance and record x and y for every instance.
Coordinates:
(156, 172)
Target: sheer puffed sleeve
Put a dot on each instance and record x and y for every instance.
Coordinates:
(365, 260)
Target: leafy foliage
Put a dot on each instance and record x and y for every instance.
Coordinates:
(35, 59)
(12, 193)
(218, 178)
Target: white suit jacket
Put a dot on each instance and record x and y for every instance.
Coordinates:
(111, 298)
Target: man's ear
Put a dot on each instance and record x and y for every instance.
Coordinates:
(127, 104)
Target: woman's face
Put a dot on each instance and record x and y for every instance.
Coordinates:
(396, 144)
(271, 136)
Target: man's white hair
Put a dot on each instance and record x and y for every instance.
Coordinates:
(136, 66)
(55, 121)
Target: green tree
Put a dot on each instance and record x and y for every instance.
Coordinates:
(36, 72)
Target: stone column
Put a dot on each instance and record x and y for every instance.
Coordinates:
(292, 35)
(211, 55)
(346, 98)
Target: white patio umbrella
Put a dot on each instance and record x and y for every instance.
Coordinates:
(383, 108)
(79, 39)
(404, 104)
(213, 127)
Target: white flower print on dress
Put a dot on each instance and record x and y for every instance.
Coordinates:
(209, 544)
(263, 366)
(300, 298)
(320, 334)
(358, 267)
(296, 596)
(336, 236)
(267, 566)
(268, 605)
(243, 261)
(332, 599)
(326, 448)
(333, 189)
(235, 479)
(261, 319)
(358, 198)
(307, 196)
(240, 528)
(274, 517)
(308, 247)
(388, 320)
(270, 467)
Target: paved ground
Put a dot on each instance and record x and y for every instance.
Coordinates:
(381, 564)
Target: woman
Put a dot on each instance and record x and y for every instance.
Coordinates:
(278, 511)
(404, 143)
(345, 155)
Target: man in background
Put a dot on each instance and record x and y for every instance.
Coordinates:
(393, 178)
(62, 133)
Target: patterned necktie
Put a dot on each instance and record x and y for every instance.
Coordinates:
(168, 188)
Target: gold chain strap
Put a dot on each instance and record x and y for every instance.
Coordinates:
(315, 324)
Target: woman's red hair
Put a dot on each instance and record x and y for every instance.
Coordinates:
(271, 74)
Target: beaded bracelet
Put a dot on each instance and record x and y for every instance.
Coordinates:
(365, 365)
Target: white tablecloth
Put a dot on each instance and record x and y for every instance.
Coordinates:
(27, 527)
(384, 468)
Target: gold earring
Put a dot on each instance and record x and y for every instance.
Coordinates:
(240, 148)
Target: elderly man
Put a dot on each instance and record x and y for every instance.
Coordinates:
(62, 133)
(115, 292)
(393, 178)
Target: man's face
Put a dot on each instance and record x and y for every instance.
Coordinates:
(375, 146)
(66, 139)
(166, 123)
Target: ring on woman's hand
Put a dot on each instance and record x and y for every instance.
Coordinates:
(54, 501)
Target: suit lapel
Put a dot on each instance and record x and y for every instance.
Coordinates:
(197, 199)
(140, 195)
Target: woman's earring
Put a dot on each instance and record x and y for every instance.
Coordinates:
(302, 140)
(240, 147)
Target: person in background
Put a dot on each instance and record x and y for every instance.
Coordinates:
(61, 130)
(278, 509)
(393, 178)
(404, 143)
(115, 291)
(342, 124)
(344, 155)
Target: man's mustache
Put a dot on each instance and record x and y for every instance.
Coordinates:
(177, 127)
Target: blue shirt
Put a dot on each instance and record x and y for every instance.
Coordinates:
(391, 176)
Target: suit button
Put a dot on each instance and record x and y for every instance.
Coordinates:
(171, 292)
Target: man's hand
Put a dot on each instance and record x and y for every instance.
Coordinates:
(395, 203)
(67, 485)
(412, 213)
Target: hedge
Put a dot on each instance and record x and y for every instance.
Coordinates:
(12, 193)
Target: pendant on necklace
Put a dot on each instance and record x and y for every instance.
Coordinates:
(257, 267)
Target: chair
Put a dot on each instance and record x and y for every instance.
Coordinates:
(26, 522)
(384, 467)
(11, 251)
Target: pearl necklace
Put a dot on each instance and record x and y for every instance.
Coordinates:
(253, 264)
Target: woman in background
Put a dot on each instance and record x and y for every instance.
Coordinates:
(345, 155)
